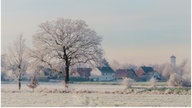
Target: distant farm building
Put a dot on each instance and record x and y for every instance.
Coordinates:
(103, 74)
(82, 72)
(121, 73)
(146, 73)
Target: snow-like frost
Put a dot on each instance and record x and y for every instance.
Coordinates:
(55, 95)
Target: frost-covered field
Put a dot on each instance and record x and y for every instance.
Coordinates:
(54, 94)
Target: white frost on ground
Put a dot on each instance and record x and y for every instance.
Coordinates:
(10, 96)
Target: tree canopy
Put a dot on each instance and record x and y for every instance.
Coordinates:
(66, 42)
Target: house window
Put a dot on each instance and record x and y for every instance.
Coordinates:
(106, 77)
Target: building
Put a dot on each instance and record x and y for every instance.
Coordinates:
(49, 73)
(143, 70)
(107, 73)
(121, 73)
(145, 73)
(82, 72)
(102, 74)
(173, 61)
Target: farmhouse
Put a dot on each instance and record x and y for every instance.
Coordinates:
(102, 74)
(146, 73)
(129, 73)
(107, 73)
(82, 72)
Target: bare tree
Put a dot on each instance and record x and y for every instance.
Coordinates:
(153, 82)
(128, 82)
(16, 59)
(34, 83)
(177, 76)
(67, 42)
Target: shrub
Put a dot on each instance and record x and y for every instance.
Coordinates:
(128, 82)
(153, 82)
(174, 80)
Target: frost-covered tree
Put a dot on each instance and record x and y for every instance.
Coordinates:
(64, 43)
(153, 82)
(34, 83)
(16, 59)
(177, 76)
(128, 82)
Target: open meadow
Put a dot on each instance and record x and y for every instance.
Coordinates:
(96, 53)
(101, 95)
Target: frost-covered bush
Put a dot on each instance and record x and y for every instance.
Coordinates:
(174, 80)
(186, 73)
(33, 84)
(128, 82)
(153, 82)
(181, 75)
(176, 76)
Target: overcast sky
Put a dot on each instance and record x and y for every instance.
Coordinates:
(134, 31)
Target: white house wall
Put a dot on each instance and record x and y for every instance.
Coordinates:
(96, 74)
(108, 77)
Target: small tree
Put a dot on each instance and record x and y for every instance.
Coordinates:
(16, 59)
(128, 82)
(174, 80)
(153, 82)
(34, 83)
(66, 42)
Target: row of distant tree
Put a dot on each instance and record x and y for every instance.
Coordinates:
(45, 73)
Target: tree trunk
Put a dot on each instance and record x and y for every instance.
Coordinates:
(19, 84)
(66, 75)
(67, 64)
(19, 81)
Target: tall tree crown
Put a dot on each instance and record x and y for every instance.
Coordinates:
(67, 41)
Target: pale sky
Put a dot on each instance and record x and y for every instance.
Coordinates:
(134, 31)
